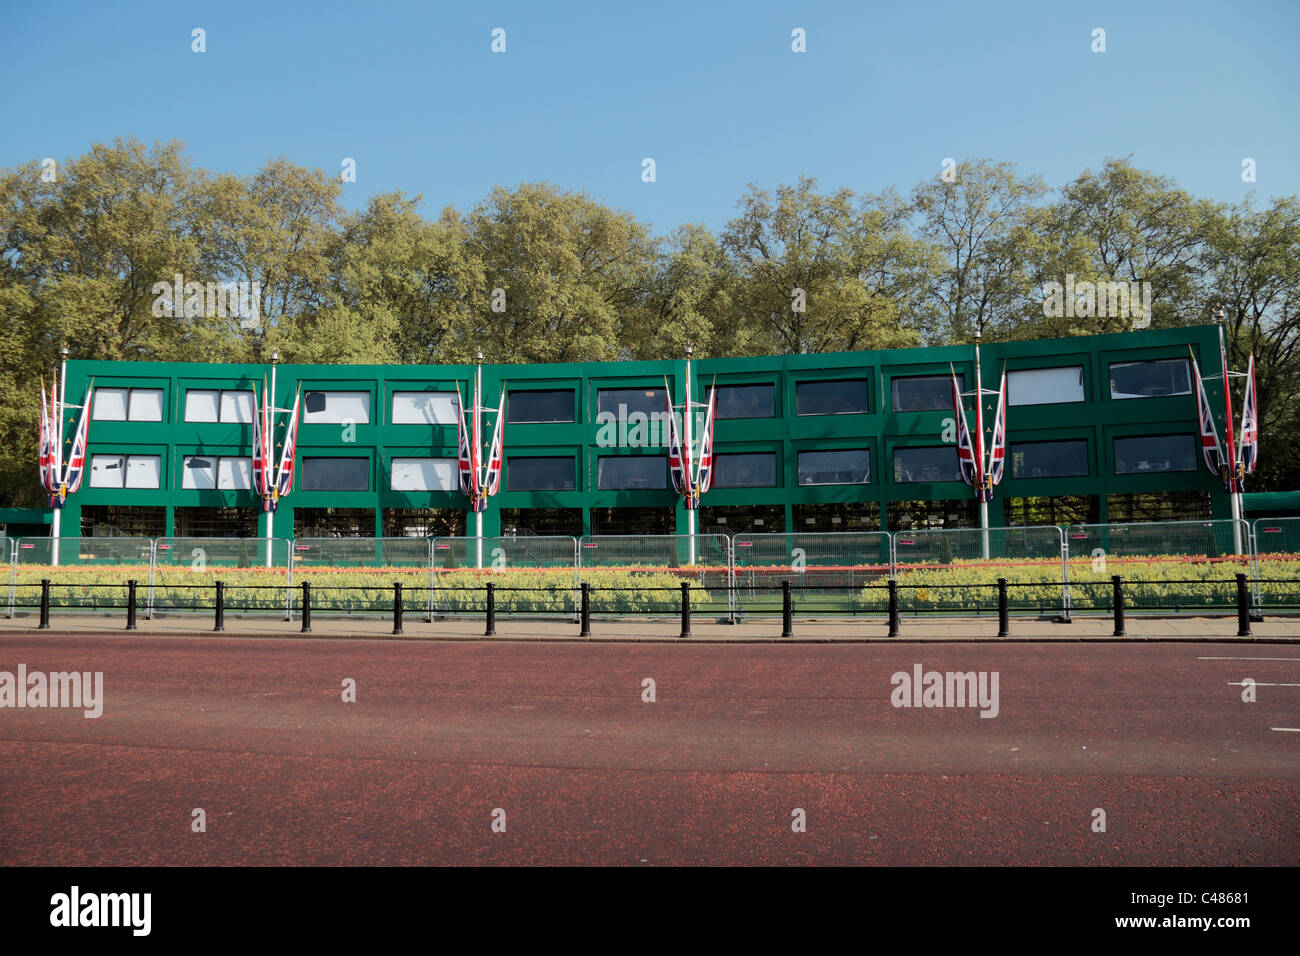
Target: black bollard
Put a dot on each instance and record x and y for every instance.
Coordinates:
(1243, 607)
(787, 614)
(1118, 584)
(221, 608)
(130, 605)
(306, 607)
(585, 616)
(686, 609)
(45, 605)
(397, 607)
(893, 607)
(491, 611)
(1004, 616)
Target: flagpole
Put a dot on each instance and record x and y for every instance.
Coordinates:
(686, 454)
(56, 520)
(474, 461)
(268, 470)
(979, 451)
(1234, 495)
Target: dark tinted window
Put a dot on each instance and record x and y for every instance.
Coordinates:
(924, 393)
(926, 464)
(548, 405)
(631, 471)
(646, 400)
(539, 474)
(840, 397)
(1150, 379)
(335, 474)
(1152, 453)
(1049, 459)
(847, 467)
(746, 401)
(745, 471)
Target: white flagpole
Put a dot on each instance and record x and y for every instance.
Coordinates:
(56, 522)
(979, 449)
(474, 460)
(1234, 496)
(687, 416)
(269, 465)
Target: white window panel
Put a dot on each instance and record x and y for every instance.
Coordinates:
(143, 471)
(334, 408)
(201, 405)
(107, 471)
(235, 474)
(424, 408)
(146, 405)
(424, 474)
(237, 407)
(199, 473)
(110, 404)
(1045, 386)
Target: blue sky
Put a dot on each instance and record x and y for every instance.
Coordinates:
(711, 91)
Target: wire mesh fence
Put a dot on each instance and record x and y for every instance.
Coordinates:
(1277, 556)
(254, 570)
(656, 565)
(89, 573)
(830, 572)
(530, 574)
(1166, 565)
(356, 574)
(951, 569)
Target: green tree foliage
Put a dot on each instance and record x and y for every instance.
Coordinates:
(534, 273)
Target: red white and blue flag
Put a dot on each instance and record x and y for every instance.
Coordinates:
(263, 481)
(970, 472)
(77, 461)
(678, 463)
(705, 471)
(465, 457)
(492, 478)
(1210, 449)
(288, 457)
(998, 451)
(47, 442)
(1249, 456)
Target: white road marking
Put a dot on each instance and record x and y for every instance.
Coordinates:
(1255, 683)
(1248, 658)
(1287, 730)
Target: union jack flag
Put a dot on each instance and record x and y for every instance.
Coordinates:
(47, 442)
(1209, 433)
(465, 455)
(998, 452)
(492, 479)
(965, 453)
(705, 479)
(1249, 456)
(288, 457)
(678, 464)
(77, 461)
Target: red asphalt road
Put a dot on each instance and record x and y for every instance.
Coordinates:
(557, 735)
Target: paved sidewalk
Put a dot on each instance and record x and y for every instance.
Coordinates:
(1183, 628)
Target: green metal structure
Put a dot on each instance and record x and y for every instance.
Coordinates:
(798, 498)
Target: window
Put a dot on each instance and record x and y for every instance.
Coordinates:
(924, 393)
(524, 522)
(733, 519)
(213, 405)
(421, 408)
(125, 471)
(541, 405)
(1150, 379)
(631, 471)
(839, 397)
(745, 401)
(926, 464)
(207, 472)
(849, 467)
(1049, 459)
(844, 516)
(1045, 386)
(334, 408)
(425, 474)
(223, 522)
(128, 404)
(539, 474)
(645, 400)
(424, 522)
(1155, 453)
(745, 471)
(335, 474)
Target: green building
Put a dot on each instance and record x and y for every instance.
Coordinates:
(1101, 428)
